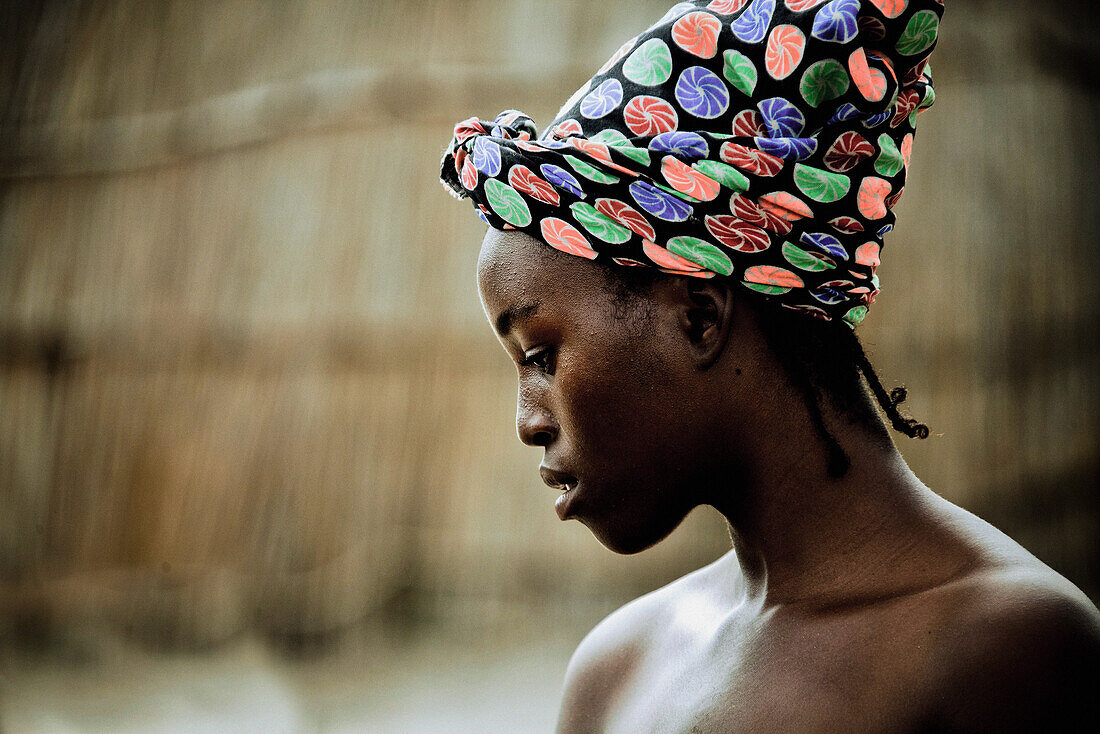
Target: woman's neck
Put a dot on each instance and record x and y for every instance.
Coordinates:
(804, 537)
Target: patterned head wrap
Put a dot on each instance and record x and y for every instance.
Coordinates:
(763, 141)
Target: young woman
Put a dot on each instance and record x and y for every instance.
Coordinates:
(726, 180)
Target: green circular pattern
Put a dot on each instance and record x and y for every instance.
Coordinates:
(650, 64)
(739, 71)
(820, 185)
(701, 253)
(507, 203)
(724, 174)
(889, 160)
(590, 172)
(615, 139)
(855, 315)
(823, 81)
(598, 225)
(803, 260)
(919, 34)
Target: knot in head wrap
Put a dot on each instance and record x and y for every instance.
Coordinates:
(763, 141)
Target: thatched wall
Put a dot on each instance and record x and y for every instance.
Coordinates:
(244, 378)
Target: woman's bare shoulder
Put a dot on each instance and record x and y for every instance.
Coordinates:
(609, 657)
(1021, 647)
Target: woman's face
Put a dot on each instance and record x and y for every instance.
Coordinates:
(605, 394)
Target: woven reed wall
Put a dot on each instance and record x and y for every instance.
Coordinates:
(245, 381)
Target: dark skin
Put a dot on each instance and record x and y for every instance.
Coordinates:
(859, 603)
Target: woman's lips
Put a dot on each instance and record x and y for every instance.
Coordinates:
(556, 478)
(563, 481)
(565, 501)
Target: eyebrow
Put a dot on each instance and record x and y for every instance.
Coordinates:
(511, 315)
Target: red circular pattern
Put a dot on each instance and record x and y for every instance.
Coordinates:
(737, 234)
(847, 151)
(786, 45)
(727, 7)
(871, 199)
(668, 260)
(751, 159)
(907, 102)
(627, 216)
(523, 179)
(781, 209)
(646, 115)
(562, 235)
(748, 124)
(847, 225)
(697, 33)
(687, 180)
(469, 174)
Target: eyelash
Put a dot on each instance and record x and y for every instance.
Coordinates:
(542, 359)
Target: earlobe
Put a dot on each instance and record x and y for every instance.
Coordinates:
(706, 315)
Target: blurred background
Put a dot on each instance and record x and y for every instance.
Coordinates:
(258, 464)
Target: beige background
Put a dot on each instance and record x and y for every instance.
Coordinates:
(249, 409)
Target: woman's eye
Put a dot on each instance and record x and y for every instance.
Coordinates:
(541, 358)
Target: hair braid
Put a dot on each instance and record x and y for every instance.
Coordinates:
(889, 402)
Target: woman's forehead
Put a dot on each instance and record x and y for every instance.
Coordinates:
(500, 248)
(513, 261)
(515, 270)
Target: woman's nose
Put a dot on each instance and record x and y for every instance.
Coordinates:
(534, 423)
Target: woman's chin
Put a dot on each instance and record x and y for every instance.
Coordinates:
(628, 538)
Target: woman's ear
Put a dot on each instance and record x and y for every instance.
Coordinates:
(705, 310)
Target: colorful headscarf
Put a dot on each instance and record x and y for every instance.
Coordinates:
(762, 141)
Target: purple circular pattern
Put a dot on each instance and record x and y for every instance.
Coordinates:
(877, 120)
(795, 149)
(828, 295)
(656, 202)
(602, 100)
(837, 21)
(825, 243)
(844, 113)
(683, 145)
(562, 178)
(752, 25)
(673, 13)
(486, 156)
(702, 93)
(781, 118)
